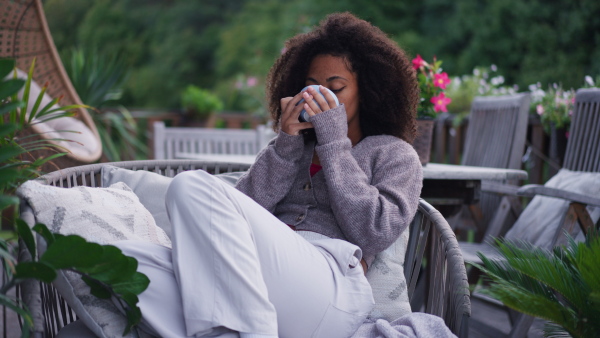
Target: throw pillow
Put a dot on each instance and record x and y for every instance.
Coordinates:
(386, 276)
(151, 189)
(539, 221)
(101, 215)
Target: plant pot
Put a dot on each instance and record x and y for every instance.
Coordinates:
(423, 141)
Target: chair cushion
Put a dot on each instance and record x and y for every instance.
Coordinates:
(151, 189)
(386, 276)
(101, 215)
(539, 221)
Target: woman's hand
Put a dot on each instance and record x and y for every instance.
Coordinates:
(290, 111)
(316, 103)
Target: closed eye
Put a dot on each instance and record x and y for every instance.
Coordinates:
(337, 90)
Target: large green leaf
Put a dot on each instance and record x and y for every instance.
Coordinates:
(37, 270)
(7, 200)
(72, 252)
(6, 66)
(10, 87)
(8, 128)
(26, 236)
(11, 106)
(43, 230)
(97, 288)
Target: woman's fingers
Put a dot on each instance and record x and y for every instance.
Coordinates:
(318, 103)
(328, 97)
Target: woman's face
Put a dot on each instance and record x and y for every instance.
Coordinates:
(333, 73)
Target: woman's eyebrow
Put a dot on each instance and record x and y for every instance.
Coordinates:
(335, 77)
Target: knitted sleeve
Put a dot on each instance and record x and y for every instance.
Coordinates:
(370, 212)
(271, 177)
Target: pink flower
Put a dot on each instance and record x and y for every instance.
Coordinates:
(418, 62)
(539, 109)
(252, 81)
(440, 102)
(441, 80)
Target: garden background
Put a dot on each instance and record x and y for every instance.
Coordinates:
(144, 54)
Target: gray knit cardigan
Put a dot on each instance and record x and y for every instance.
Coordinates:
(366, 194)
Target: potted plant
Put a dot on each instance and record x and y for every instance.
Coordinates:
(199, 104)
(561, 286)
(432, 83)
(106, 271)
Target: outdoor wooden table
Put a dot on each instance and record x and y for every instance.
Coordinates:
(452, 184)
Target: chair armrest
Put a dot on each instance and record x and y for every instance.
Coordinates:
(530, 190)
(499, 188)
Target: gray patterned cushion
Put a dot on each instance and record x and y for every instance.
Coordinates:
(386, 276)
(101, 215)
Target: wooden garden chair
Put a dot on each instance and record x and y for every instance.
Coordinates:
(582, 159)
(495, 138)
(432, 248)
(24, 36)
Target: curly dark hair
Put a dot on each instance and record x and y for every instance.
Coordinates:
(389, 92)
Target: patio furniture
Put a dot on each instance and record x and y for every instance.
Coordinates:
(184, 142)
(495, 138)
(545, 220)
(432, 248)
(24, 36)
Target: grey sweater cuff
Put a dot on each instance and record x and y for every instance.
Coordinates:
(331, 125)
(289, 147)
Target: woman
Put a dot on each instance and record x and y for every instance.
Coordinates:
(280, 256)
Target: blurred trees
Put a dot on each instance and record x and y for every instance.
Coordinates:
(222, 44)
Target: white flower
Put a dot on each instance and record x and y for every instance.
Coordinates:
(493, 68)
(589, 80)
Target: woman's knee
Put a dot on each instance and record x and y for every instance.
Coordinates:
(188, 183)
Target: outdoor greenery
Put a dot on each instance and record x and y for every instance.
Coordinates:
(99, 79)
(169, 45)
(561, 286)
(200, 102)
(104, 268)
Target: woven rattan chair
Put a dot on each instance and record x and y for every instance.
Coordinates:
(24, 35)
(444, 280)
(495, 138)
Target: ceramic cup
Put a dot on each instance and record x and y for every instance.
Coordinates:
(304, 117)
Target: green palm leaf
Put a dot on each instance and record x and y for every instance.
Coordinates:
(561, 286)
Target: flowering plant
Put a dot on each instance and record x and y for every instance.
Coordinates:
(433, 83)
(554, 106)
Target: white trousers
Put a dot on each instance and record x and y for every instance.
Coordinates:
(237, 268)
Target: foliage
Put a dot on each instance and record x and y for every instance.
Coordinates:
(554, 106)
(99, 81)
(432, 83)
(104, 268)
(562, 286)
(483, 81)
(169, 44)
(200, 102)
(244, 93)
(16, 165)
